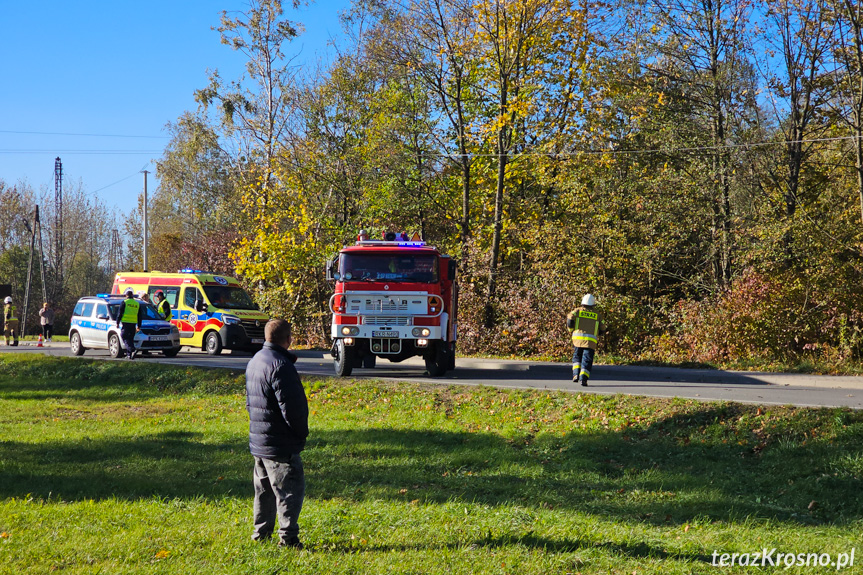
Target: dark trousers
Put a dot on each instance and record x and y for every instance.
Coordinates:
(47, 330)
(127, 334)
(280, 488)
(582, 362)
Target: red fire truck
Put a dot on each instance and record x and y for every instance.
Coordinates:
(394, 298)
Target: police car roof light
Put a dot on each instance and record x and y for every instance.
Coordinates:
(103, 295)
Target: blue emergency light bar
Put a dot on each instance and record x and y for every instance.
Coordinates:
(103, 295)
(189, 271)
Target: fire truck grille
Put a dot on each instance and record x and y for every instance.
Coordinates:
(385, 305)
(253, 331)
(387, 320)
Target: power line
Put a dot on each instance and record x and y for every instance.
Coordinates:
(115, 183)
(77, 134)
(84, 152)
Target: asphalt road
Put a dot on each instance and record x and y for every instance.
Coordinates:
(699, 384)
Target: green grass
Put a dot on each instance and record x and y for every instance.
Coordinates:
(115, 467)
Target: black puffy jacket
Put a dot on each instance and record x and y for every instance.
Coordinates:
(276, 401)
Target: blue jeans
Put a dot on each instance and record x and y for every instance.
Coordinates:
(582, 362)
(280, 488)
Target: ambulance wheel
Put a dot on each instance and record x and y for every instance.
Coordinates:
(344, 361)
(437, 361)
(114, 347)
(213, 343)
(369, 361)
(171, 352)
(75, 344)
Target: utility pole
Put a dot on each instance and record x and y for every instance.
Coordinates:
(58, 225)
(35, 232)
(145, 172)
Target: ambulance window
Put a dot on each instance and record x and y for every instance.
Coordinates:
(190, 295)
(171, 294)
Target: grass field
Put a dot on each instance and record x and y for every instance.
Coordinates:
(121, 467)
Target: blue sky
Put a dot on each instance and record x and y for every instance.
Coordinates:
(115, 68)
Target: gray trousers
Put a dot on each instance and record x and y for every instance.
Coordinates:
(280, 487)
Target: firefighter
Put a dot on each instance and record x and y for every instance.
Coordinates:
(585, 323)
(10, 318)
(130, 316)
(162, 305)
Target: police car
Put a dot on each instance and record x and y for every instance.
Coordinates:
(94, 326)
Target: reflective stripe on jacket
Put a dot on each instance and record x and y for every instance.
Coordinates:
(9, 312)
(585, 325)
(130, 311)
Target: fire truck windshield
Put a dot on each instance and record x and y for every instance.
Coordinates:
(392, 267)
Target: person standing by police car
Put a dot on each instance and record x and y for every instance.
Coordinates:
(129, 321)
(162, 305)
(585, 324)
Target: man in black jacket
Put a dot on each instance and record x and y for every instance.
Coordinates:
(278, 427)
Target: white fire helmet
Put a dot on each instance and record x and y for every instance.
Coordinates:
(588, 300)
(8, 299)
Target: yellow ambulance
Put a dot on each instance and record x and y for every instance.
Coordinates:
(213, 312)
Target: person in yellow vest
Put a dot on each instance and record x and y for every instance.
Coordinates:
(162, 305)
(10, 321)
(129, 320)
(585, 324)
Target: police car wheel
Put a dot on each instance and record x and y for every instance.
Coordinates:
(213, 344)
(75, 344)
(114, 348)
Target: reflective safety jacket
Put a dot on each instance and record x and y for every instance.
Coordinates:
(165, 309)
(585, 323)
(9, 312)
(130, 310)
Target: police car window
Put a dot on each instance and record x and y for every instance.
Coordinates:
(150, 312)
(101, 310)
(87, 310)
(115, 310)
(189, 297)
(79, 308)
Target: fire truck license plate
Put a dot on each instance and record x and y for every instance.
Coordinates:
(393, 334)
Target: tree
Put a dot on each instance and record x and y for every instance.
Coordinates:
(257, 106)
(196, 190)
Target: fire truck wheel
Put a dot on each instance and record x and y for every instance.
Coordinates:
(344, 361)
(451, 365)
(213, 344)
(369, 361)
(438, 361)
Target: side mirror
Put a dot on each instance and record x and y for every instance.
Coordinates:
(451, 270)
(200, 306)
